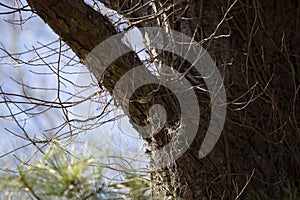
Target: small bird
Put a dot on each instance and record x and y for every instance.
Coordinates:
(143, 100)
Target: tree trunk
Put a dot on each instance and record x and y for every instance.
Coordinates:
(255, 45)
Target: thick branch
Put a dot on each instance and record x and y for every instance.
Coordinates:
(83, 29)
(78, 24)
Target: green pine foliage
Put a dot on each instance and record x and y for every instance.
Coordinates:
(60, 175)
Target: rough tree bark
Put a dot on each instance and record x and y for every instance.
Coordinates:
(256, 47)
